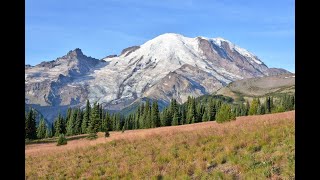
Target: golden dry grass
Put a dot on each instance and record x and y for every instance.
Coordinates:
(252, 146)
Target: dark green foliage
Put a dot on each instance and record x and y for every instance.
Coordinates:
(48, 133)
(211, 111)
(69, 114)
(59, 126)
(199, 112)
(94, 119)
(247, 108)
(191, 113)
(30, 125)
(141, 117)
(41, 130)
(175, 119)
(174, 112)
(268, 105)
(206, 116)
(165, 119)
(86, 118)
(254, 106)
(78, 122)
(147, 115)
(155, 119)
(52, 129)
(224, 114)
(287, 102)
(182, 112)
(61, 140)
(71, 124)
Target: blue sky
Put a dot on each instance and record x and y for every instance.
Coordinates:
(104, 27)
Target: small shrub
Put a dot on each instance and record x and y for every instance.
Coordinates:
(123, 129)
(107, 134)
(61, 140)
(92, 136)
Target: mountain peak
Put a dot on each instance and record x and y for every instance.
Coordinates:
(76, 52)
(169, 36)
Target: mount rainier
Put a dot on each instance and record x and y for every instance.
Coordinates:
(168, 66)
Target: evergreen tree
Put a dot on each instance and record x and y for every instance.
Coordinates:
(205, 116)
(147, 122)
(183, 115)
(100, 116)
(164, 117)
(155, 119)
(224, 114)
(63, 125)
(254, 107)
(271, 104)
(86, 118)
(118, 122)
(142, 117)
(136, 119)
(52, 129)
(108, 121)
(94, 119)
(198, 112)
(78, 122)
(174, 112)
(59, 125)
(211, 111)
(30, 125)
(268, 105)
(41, 130)
(191, 114)
(193, 120)
(71, 124)
(175, 119)
(247, 107)
(104, 123)
(243, 110)
(48, 133)
(69, 113)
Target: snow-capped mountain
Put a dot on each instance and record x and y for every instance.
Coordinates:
(168, 66)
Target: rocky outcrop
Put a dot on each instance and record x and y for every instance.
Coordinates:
(129, 50)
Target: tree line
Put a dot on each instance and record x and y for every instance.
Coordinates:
(93, 119)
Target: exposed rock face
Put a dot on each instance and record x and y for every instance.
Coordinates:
(168, 66)
(183, 82)
(51, 83)
(111, 56)
(129, 50)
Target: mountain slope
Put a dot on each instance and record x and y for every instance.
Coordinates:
(260, 86)
(168, 66)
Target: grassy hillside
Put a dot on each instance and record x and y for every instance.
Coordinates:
(255, 147)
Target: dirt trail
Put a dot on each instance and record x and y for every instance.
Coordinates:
(45, 148)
